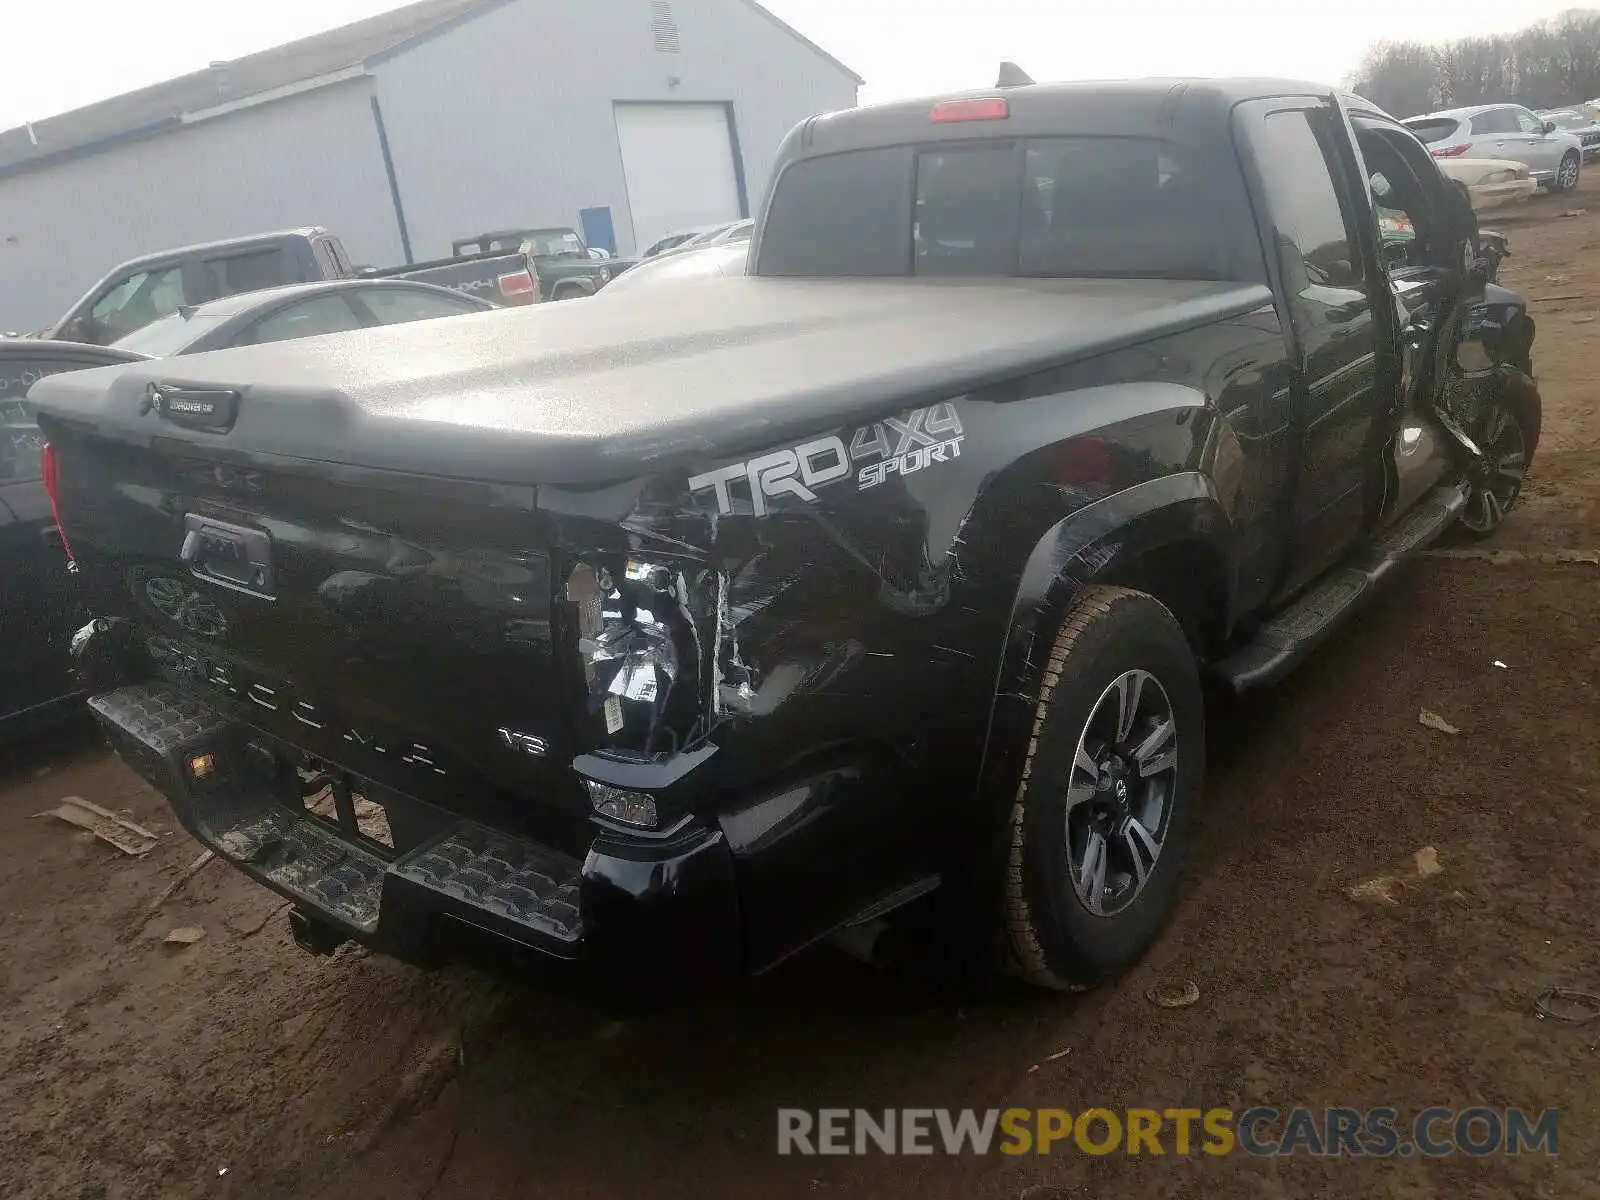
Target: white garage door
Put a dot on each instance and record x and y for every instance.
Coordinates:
(678, 159)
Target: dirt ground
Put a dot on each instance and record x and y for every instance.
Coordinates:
(240, 1067)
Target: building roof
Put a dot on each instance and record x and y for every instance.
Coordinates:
(163, 106)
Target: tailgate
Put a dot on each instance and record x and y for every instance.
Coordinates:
(398, 627)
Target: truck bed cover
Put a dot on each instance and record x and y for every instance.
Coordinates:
(588, 392)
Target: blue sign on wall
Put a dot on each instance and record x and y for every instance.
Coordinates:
(598, 230)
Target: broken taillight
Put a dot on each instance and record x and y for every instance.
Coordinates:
(50, 468)
(1451, 151)
(518, 285)
(988, 108)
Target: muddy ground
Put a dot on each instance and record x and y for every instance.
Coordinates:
(238, 1066)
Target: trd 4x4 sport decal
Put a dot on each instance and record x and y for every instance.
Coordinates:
(893, 446)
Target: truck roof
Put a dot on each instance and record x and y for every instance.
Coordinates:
(1130, 107)
(590, 393)
(305, 232)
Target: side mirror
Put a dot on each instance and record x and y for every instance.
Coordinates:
(1549, 126)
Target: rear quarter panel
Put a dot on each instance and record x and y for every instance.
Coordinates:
(891, 583)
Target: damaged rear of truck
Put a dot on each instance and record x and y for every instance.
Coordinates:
(672, 635)
(682, 672)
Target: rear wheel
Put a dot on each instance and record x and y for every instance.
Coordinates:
(1567, 173)
(1099, 827)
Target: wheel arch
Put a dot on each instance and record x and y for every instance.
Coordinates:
(1169, 537)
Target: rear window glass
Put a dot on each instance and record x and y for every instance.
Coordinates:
(842, 214)
(1072, 207)
(1433, 129)
(1496, 120)
(397, 306)
(172, 334)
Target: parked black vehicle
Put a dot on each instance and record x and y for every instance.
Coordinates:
(145, 289)
(297, 311)
(676, 633)
(566, 270)
(37, 604)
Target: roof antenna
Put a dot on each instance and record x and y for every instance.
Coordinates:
(1012, 75)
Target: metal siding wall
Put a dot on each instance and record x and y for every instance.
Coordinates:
(507, 120)
(308, 160)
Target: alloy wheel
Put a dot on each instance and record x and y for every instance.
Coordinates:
(1567, 177)
(1120, 792)
(1496, 480)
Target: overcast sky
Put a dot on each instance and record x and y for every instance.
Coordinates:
(62, 55)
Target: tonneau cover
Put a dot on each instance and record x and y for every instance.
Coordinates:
(589, 391)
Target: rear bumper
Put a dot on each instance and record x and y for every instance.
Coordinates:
(632, 909)
(1497, 195)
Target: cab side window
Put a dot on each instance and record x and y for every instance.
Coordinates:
(1496, 120)
(136, 301)
(1316, 247)
(1529, 123)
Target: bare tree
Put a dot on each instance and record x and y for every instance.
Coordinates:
(1553, 63)
(1400, 77)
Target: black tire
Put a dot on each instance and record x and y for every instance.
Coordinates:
(1509, 435)
(1054, 940)
(1568, 173)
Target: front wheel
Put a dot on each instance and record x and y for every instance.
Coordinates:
(1567, 174)
(1506, 435)
(1099, 826)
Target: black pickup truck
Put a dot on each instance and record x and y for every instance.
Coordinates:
(141, 290)
(565, 268)
(678, 633)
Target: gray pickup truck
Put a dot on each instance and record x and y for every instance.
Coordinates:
(142, 290)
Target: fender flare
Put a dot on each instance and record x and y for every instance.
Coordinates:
(1090, 544)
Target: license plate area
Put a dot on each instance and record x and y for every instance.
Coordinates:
(347, 805)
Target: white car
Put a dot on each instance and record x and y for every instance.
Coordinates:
(724, 258)
(1553, 156)
(1490, 182)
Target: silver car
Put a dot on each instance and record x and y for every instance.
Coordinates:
(1579, 122)
(1553, 156)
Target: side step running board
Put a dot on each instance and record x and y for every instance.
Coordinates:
(1283, 642)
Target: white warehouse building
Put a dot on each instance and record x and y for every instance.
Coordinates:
(624, 119)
